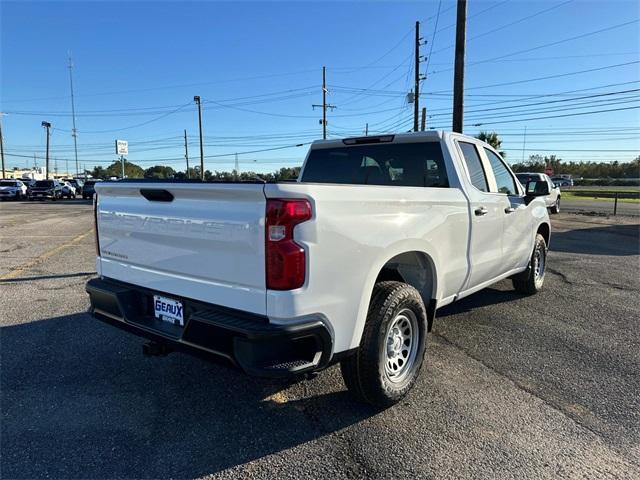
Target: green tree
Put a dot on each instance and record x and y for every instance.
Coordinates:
(131, 170)
(97, 172)
(492, 139)
(159, 171)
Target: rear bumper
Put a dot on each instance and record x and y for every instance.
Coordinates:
(41, 195)
(246, 340)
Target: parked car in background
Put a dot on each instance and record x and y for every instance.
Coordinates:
(13, 189)
(77, 184)
(28, 182)
(68, 190)
(553, 199)
(562, 181)
(88, 189)
(44, 189)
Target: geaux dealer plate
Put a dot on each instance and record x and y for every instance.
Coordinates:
(168, 310)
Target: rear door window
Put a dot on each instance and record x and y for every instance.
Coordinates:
(474, 165)
(400, 164)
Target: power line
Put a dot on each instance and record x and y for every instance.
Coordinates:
(547, 102)
(554, 116)
(607, 67)
(515, 82)
(502, 27)
(433, 37)
(164, 109)
(499, 102)
(165, 87)
(556, 57)
(471, 16)
(164, 115)
(557, 42)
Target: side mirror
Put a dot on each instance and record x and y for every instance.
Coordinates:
(537, 188)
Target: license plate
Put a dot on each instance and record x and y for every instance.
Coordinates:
(168, 310)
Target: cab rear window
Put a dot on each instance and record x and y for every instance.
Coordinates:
(400, 164)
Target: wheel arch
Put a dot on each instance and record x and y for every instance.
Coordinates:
(416, 267)
(545, 230)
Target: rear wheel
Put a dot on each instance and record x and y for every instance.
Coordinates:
(532, 279)
(388, 361)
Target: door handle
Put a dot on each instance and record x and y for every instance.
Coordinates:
(509, 210)
(480, 211)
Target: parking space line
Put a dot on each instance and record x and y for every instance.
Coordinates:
(19, 271)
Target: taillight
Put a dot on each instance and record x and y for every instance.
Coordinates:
(95, 222)
(285, 259)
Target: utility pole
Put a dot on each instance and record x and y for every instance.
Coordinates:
(197, 100)
(424, 118)
(74, 132)
(186, 152)
(458, 76)
(324, 104)
(366, 130)
(2, 145)
(524, 142)
(47, 125)
(416, 98)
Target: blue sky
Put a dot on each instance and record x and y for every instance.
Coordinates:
(257, 67)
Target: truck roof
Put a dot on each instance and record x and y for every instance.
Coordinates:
(428, 135)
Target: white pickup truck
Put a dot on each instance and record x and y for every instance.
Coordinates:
(348, 264)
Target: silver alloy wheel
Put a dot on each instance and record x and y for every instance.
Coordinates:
(558, 205)
(539, 264)
(401, 346)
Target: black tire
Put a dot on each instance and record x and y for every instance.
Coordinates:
(365, 373)
(531, 280)
(556, 206)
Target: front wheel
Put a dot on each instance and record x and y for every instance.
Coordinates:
(386, 365)
(556, 206)
(532, 279)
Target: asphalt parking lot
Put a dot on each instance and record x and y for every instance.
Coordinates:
(513, 387)
(599, 207)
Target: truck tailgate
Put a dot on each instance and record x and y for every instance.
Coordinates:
(202, 241)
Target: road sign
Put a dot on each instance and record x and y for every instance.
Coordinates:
(122, 147)
(549, 171)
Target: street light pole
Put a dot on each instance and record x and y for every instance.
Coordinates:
(2, 145)
(197, 100)
(74, 132)
(47, 125)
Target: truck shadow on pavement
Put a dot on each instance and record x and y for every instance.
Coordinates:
(487, 297)
(615, 240)
(80, 400)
